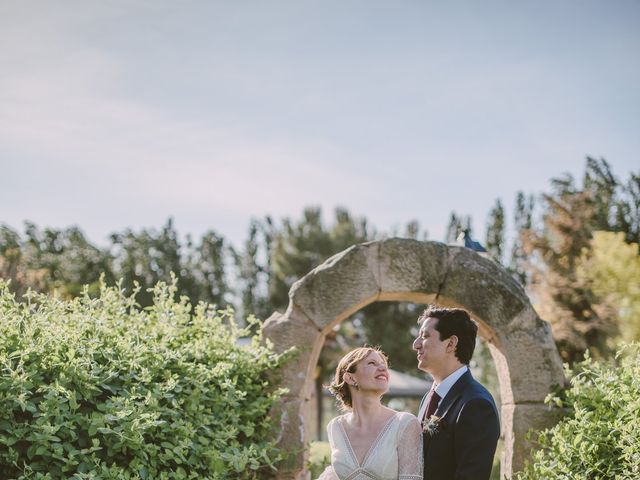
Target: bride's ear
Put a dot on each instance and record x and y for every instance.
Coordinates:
(348, 378)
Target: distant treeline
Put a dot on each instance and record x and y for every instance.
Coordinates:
(554, 253)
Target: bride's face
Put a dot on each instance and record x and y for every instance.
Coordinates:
(372, 373)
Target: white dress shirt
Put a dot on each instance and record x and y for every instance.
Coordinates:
(443, 387)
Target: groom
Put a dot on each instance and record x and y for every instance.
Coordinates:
(459, 417)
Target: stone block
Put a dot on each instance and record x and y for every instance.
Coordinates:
(293, 438)
(294, 329)
(528, 366)
(517, 422)
(411, 266)
(483, 287)
(339, 287)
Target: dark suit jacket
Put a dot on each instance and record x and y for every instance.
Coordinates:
(464, 443)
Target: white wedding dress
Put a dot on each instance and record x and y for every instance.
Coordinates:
(395, 454)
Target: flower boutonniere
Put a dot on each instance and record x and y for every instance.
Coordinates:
(434, 425)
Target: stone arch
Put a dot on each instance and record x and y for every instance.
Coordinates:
(521, 344)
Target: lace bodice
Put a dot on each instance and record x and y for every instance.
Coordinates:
(395, 454)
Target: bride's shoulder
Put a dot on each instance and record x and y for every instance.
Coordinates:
(334, 421)
(406, 417)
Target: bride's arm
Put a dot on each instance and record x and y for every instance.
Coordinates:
(328, 474)
(410, 454)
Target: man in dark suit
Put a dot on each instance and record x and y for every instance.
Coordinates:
(459, 417)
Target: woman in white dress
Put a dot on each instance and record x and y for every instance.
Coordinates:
(370, 441)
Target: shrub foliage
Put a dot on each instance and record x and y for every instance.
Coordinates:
(600, 438)
(96, 388)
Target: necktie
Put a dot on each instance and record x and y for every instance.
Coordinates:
(432, 405)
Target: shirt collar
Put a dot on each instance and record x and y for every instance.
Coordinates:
(443, 387)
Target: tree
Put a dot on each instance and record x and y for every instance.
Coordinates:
(204, 272)
(562, 298)
(572, 213)
(50, 260)
(611, 267)
(457, 225)
(146, 258)
(12, 264)
(495, 232)
(522, 219)
(629, 210)
(252, 266)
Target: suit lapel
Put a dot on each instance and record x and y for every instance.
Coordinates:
(446, 403)
(452, 395)
(423, 407)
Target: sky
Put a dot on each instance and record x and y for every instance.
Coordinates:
(121, 114)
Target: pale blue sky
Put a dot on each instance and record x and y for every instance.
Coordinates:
(119, 114)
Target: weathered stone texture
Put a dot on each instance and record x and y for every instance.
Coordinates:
(517, 422)
(482, 286)
(295, 329)
(339, 287)
(408, 266)
(534, 366)
(293, 438)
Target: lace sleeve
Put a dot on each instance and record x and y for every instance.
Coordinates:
(410, 454)
(328, 474)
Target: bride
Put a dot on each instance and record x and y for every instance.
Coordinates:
(370, 441)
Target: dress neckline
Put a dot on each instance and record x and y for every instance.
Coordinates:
(373, 445)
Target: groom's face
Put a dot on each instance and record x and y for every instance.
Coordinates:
(431, 350)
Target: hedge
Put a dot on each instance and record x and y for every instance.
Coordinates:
(96, 388)
(600, 438)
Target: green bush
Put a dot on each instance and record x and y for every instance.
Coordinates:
(96, 388)
(600, 438)
(319, 458)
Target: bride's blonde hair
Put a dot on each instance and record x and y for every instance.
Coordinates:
(348, 364)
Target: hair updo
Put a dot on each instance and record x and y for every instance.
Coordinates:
(339, 388)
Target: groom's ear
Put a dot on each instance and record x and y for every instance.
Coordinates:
(452, 343)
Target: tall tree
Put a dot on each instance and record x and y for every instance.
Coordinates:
(146, 258)
(572, 213)
(628, 212)
(495, 232)
(46, 260)
(252, 266)
(523, 222)
(11, 266)
(457, 225)
(204, 271)
(611, 267)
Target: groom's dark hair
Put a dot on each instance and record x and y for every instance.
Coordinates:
(454, 321)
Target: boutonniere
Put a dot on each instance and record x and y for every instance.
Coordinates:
(434, 425)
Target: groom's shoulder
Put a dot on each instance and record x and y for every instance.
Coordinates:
(474, 389)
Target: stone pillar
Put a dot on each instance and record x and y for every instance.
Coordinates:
(517, 421)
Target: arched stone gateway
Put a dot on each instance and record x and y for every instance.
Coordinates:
(521, 344)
